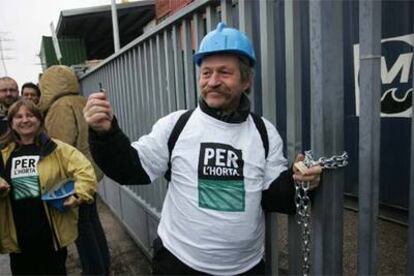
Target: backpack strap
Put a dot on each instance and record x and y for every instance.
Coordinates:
(258, 121)
(172, 140)
(182, 121)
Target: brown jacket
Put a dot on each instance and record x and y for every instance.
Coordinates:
(62, 105)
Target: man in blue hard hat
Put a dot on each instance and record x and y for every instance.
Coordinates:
(224, 164)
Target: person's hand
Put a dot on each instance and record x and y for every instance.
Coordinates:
(4, 186)
(312, 174)
(71, 202)
(98, 112)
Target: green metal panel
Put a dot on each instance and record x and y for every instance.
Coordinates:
(73, 52)
(47, 53)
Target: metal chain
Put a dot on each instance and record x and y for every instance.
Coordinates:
(303, 203)
(303, 218)
(334, 162)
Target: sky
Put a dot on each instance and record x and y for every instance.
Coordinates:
(22, 25)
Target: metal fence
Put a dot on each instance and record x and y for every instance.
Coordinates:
(155, 75)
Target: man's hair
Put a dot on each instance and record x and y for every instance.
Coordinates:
(7, 78)
(246, 71)
(33, 86)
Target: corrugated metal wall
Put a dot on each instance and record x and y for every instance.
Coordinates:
(299, 86)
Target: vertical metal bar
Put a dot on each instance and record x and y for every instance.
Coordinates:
(198, 24)
(161, 82)
(124, 82)
(110, 79)
(317, 74)
(162, 100)
(147, 86)
(245, 16)
(327, 116)
(137, 93)
(107, 76)
(141, 88)
(112, 90)
(410, 256)
(154, 88)
(127, 101)
(369, 134)
(293, 114)
(151, 104)
(226, 12)
(211, 18)
(133, 94)
(115, 25)
(146, 100)
(271, 244)
(118, 92)
(245, 25)
(113, 87)
(143, 110)
(178, 68)
(121, 92)
(267, 43)
(188, 66)
(198, 29)
(169, 65)
(293, 77)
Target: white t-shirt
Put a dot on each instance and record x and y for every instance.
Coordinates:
(212, 218)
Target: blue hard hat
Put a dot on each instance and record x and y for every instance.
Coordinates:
(225, 40)
(56, 196)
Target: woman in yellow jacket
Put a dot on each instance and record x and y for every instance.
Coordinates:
(33, 232)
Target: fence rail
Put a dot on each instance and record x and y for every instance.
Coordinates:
(155, 75)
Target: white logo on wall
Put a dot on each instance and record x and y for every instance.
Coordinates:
(396, 76)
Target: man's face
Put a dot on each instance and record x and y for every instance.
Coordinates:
(9, 92)
(30, 94)
(220, 81)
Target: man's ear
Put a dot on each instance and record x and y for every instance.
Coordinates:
(248, 83)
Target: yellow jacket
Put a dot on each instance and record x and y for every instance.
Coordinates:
(58, 161)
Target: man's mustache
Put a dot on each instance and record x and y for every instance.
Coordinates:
(215, 90)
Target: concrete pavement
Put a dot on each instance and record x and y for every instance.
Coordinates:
(127, 258)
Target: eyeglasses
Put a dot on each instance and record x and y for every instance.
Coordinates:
(11, 90)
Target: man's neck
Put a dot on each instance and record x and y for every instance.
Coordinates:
(235, 116)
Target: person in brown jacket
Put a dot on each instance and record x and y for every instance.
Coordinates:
(62, 105)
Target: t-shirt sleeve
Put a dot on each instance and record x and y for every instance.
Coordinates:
(153, 147)
(276, 163)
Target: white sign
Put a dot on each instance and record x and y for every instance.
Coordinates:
(396, 76)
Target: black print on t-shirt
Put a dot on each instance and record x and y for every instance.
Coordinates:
(220, 161)
(24, 177)
(220, 178)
